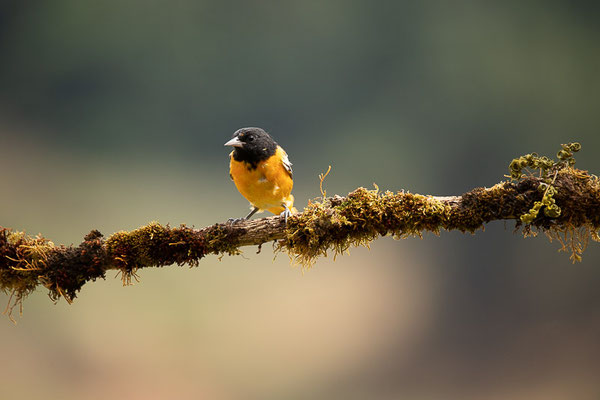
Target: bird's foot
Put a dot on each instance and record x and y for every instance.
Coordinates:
(285, 214)
(233, 221)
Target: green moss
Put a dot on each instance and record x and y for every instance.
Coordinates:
(339, 223)
(548, 169)
(543, 164)
(155, 245)
(569, 200)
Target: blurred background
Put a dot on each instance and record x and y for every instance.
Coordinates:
(114, 114)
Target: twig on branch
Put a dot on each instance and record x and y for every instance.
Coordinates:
(563, 202)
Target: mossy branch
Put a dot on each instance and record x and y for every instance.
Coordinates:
(569, 197)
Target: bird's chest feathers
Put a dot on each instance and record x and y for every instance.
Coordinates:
(253, 182)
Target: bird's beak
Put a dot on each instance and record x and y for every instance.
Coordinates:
(235, 142)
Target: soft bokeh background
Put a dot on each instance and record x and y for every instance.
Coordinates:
(114, 114)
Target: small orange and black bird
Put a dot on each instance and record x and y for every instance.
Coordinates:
(262, 172)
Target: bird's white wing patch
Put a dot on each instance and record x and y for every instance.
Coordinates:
(286, 162)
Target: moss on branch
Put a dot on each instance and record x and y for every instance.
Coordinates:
(337, 224)
(561, 201)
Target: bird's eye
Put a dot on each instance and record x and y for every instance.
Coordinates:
(250, 138)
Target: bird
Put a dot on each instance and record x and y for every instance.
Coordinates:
(262, 172)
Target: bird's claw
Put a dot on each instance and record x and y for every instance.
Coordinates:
(233, 221)
(285, 214)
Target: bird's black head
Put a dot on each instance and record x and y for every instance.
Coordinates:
(252, 145)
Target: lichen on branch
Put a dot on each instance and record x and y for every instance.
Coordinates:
(543, 195)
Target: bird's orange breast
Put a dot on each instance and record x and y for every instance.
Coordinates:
(268, 186)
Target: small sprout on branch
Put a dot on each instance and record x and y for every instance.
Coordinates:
(546, 166)
(321, 179)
